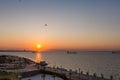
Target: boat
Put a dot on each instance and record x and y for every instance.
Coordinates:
(43, 63)
(115, 52)
(71, 52)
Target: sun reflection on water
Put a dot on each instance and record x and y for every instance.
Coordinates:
(38, 57)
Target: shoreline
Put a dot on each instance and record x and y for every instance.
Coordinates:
(31, 70)
(64, 74)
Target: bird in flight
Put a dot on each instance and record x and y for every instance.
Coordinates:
(46, 25)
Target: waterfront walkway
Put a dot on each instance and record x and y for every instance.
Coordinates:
(69, 74)
(74, 75)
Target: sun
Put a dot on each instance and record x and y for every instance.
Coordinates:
(38, 46)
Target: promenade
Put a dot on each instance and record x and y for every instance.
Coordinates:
(73, 75)
(33, 69)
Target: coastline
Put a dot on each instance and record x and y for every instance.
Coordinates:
(31, 70)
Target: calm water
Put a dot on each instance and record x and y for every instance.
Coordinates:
(99, 62)
(39, 77)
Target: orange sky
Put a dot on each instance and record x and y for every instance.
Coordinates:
(76, 24)
(55, 44)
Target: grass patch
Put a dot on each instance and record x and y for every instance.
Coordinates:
(10, 75)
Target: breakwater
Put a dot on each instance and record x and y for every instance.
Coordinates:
(36, 72)
(65, 75)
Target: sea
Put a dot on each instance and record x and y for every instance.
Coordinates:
(105, 63)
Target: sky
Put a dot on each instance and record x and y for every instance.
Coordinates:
(71, 24)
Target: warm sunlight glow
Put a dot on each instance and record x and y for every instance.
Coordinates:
(38, 57)
(38, 46)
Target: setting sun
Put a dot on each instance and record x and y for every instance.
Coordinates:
(38, 46)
